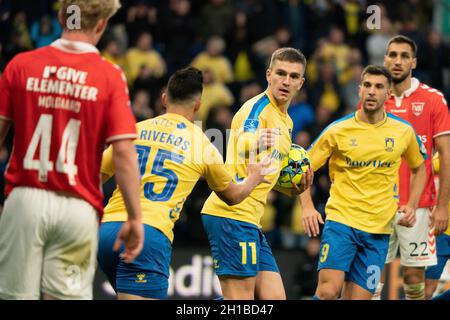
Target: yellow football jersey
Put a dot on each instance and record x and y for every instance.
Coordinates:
(173, 154)
(363, 168)
(260, 112)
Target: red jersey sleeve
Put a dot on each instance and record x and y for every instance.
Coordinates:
(6, 92)
(440, 116)
(121, 123)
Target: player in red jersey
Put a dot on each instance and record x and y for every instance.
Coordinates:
(426, 109)
(64, 102)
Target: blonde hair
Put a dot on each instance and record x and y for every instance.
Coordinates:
(91, 11)
(289, 55)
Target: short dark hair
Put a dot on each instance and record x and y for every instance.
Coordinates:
(288, 54)
(403, 39)
(184, 84)
(377, 70)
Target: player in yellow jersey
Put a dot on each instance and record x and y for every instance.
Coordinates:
(242, 257)
(433, 273)
(173, 155)
(365, 150)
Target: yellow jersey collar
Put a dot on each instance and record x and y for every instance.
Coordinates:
(378, 124)
(176, 117)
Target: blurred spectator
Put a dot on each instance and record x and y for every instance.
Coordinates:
(45, 31)
(141, 18)
(213, 59)
(301, 113)
(294, 14)
(5, 15)
(216, 19)
(179, 29)
(239, 50)
(248, 91)
(350, 89)
(141, 105)
(113, 53)
(214, 94)
(146, 81)
(262, 17)
(323, 118)
(354, 59)
(326, 14)
(263, 50)
(144, 55)
(303, 139)
(433, 59)
(219, 118)
(354, 16)
(377, 42)
(326, 91)
(335, 50)
(20, 28)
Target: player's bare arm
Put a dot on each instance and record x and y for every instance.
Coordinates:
(236, 193)
(4, 128)
(440, 213)
(311, 217)
(127, 177)
(418, 179)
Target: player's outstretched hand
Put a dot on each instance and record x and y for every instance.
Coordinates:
(257, 171)
(439, 219)
(311, 219)
(132, 235)
(408, 218)
(307, 181)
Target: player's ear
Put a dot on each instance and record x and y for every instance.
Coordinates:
(164, 99)
(101, 25)
(301, 84)
(414, 63)
(268, 73)
(197, 104)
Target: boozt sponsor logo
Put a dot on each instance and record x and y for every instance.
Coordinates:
(369, 163)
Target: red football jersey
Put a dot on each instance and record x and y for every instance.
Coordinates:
(426, 109)
(65, 103)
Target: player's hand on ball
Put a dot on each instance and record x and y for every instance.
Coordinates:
(132, 234)
(311, 219)
(408, 218)
(258, 171)
(307, 180)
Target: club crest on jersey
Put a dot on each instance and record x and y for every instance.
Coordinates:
(353, 143)
(389, 144)
(417, 108)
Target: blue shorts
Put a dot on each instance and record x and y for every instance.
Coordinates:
(238, 248)
(443, 255)
(361, 255)
(148, 275)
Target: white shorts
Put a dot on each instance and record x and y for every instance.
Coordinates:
(417, 244)
(48, 244)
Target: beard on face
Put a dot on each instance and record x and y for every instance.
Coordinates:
(400, 79)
